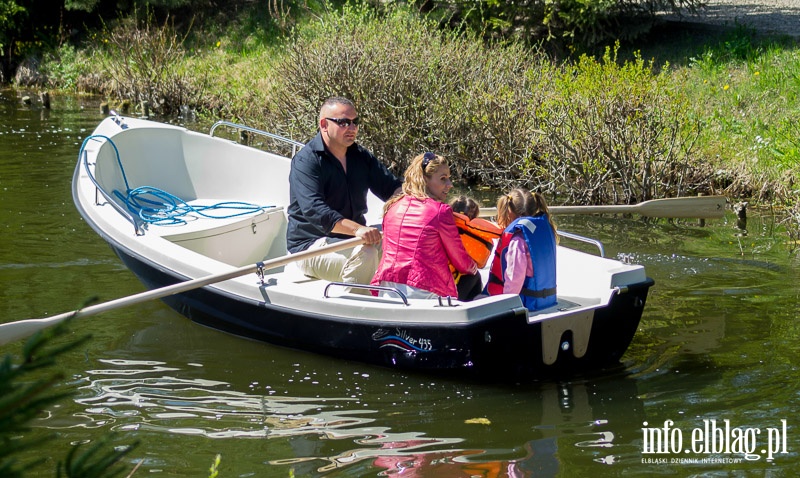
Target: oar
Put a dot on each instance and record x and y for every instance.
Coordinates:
(701, 207)
(12, 331)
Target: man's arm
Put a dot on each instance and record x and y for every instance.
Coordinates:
(347, 227)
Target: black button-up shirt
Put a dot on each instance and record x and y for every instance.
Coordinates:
(322, 194)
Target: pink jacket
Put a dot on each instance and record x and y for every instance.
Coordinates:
(420, 239)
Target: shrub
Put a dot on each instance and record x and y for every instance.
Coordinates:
(143, 60)
(428, 91)
(593, 131)
(614, 134)
(64, 67)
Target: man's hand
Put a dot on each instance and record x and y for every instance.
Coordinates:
(370, 234)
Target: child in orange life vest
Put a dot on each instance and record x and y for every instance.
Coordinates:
(478, 237)
(525, 258)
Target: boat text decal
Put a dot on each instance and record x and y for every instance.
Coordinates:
(402, 340)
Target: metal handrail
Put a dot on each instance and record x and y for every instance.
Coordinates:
(137, 225)
(366, 287)
(295, 144)
(588, 240)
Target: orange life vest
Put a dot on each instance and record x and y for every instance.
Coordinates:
(478, 236)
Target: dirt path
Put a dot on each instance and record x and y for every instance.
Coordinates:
(765, 16)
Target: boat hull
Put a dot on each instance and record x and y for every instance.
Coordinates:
(502, 346)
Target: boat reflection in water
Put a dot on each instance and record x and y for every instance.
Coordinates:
(316, 420)
(572, 425)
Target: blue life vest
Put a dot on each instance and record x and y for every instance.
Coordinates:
(539, 291)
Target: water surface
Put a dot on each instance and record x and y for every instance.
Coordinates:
(718, 342)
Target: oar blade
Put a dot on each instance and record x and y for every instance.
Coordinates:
(13, 331)
(697, 207)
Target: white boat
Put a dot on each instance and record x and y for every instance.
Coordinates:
(600, 300)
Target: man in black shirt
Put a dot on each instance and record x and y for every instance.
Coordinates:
(328, 184)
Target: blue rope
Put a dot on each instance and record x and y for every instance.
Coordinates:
(156, 206)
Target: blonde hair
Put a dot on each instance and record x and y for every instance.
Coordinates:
(521, 202)
(466, 206)
(415, 183)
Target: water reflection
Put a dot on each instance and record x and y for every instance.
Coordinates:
(425, 429)
(169, 404)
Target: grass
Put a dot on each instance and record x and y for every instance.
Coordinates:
(745, 89)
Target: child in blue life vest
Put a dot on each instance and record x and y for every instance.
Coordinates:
(525, 259)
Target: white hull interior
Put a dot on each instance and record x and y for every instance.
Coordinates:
(204, 170)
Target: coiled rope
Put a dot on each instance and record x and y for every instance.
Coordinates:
(156, 206)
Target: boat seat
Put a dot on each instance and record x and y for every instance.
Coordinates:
(237, 241)
(194, 223)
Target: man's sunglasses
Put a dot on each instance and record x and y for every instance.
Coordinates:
(426, 160)
(345, 122)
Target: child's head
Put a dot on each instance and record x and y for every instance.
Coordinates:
(466, 206)
(517, 203)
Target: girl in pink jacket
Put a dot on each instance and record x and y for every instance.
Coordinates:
(420, 238)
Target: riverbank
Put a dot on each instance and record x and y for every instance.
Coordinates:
(713, 113)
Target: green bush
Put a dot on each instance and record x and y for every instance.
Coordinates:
(428, 91)
(143, 59)
(592, 131)
(12, 21)
(615, 134)
(64, 67)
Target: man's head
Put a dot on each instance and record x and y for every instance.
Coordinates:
(338, 123)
